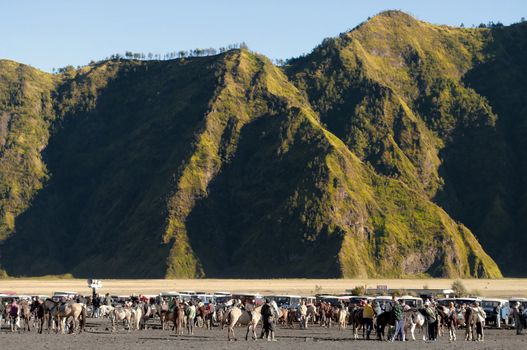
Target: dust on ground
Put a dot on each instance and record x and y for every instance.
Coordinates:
(99, 336)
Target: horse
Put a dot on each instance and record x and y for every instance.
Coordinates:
(326, 314)
(283, 316)
(121, 313)
(105, 311)
(450, 318)
(384, 319)
(39, 310)
(136, 316)
(179, 317)
(471, 319)
(414, 319)
(161, 310)
(24, 312)
(357, 322)
(311, 314)
(64, 311)
(190, 315)
(301, 314)
(342, 315)
(244, 318)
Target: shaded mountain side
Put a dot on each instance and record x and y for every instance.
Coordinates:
(349, 162)
(112, 161)
(500, 218)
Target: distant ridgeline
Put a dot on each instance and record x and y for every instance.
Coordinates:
(397, 149)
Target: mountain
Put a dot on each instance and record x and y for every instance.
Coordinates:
(396, 149)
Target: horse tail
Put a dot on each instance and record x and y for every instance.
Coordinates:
(83, 318)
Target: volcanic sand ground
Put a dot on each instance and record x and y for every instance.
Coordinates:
(484, 287)
(98, 336)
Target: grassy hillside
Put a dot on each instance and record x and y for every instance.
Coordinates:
(349, 162)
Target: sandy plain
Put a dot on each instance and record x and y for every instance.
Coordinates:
(46, 286)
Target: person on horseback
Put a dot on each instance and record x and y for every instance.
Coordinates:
(268, 321)
(108, 300)
(367, 315)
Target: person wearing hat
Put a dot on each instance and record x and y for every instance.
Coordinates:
(431, 320)
(517, 317)
(482, 315)
(268, 321)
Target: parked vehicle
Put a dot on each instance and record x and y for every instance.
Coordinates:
(286, 301)
(414, 302)
(491, 307)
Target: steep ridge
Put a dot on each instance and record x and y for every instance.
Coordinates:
(399, 92)
(348, 162)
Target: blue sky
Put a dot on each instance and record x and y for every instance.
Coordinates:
(55, 33)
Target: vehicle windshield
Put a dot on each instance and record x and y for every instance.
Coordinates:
(280, 301)
(490, 304)
(411, 302)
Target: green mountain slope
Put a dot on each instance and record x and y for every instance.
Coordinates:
(348, 162)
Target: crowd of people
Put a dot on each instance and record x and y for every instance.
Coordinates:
(398, 317)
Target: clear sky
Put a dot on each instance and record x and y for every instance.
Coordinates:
(55, 33)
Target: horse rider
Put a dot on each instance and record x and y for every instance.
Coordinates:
(398, 314)
(268, 321)
(517, 316)
(108, 300)
(481, 320)
(368, 314)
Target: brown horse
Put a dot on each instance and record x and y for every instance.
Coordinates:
(179, 318)
(24, 312)
(471, 319)
(357, 322)
(326, 314)
(284, 315)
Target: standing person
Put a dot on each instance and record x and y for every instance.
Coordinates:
(431, 319)
(517, 317)
(398, 314)
(481, 320)
(2, 311)
(96, 303)
(268, 321)
(368, 314)
(13, 315)
(498, 315)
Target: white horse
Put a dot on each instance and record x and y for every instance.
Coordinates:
(136, 316)
(302, 315)
(414, 319)
(243, 318)
(342, 316)
(105, 311)
(121, 313)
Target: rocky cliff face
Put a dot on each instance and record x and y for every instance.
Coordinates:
(349, 162)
